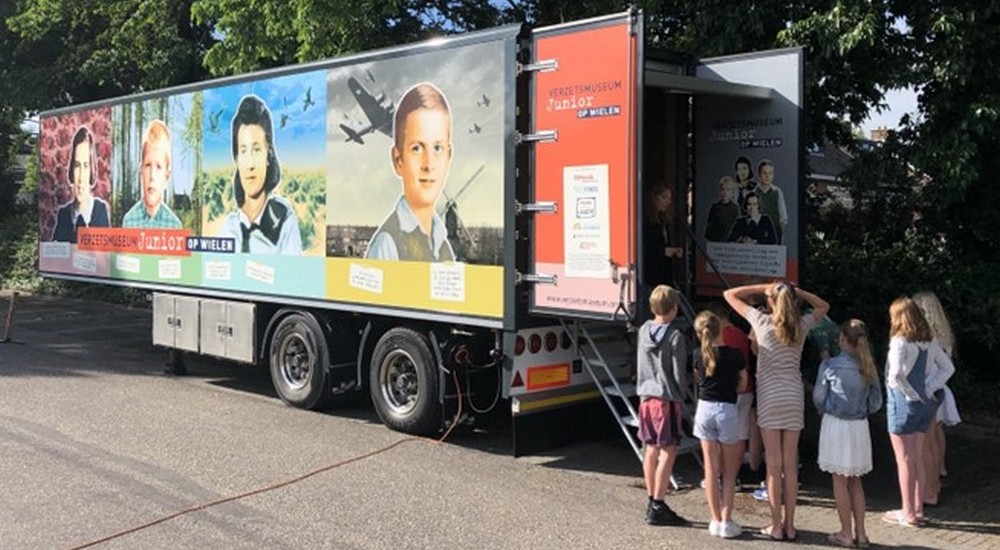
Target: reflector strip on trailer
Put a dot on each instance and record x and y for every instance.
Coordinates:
(549, 376)
(523, 405)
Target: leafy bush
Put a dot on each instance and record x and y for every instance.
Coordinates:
(894, 242)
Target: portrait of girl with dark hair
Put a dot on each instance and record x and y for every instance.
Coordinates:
(263, 222)
(85, 209)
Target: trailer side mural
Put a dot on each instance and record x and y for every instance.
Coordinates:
(302, 186)
(384, 189)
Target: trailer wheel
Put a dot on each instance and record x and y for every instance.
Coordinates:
(299, 361)
(403, 382)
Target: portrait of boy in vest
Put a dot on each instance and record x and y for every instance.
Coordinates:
(421, 156)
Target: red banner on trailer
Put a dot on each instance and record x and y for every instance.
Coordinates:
(588, 170)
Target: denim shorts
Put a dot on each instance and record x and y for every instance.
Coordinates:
(908, 417)
(717, 421)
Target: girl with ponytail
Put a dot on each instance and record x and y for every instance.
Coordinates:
(722, 375)
(846, 393)
(780, 396)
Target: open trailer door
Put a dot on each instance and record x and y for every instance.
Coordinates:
(756, 123)
(585, 104)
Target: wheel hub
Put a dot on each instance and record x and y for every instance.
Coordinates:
(400, 382)
(296, 362)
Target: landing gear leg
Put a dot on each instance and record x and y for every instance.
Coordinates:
(175, 365)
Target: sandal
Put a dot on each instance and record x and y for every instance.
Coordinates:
(769, 533)
(834, 538)
(896, 517)
(864, 543)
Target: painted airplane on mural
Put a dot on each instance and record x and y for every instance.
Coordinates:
(378, 111)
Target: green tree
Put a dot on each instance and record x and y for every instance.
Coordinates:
(70, 51)
(261, 33)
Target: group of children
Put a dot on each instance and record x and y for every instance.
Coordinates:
(846, 393)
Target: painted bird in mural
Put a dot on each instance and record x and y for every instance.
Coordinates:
(308, 101)
(213, 121)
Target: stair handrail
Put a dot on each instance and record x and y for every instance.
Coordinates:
(574, 334)
(708, 259)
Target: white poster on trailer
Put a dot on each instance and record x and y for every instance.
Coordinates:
(586, 221)
(760, 260)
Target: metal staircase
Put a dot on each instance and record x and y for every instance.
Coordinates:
(598, 360)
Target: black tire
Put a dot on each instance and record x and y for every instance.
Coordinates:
(403, 381)
(300, 362)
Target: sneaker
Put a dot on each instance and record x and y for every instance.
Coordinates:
(730, 530)
(661, 514)
(715, 528)
(658, 514)
(760, 494)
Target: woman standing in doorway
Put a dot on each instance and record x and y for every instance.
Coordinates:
(659, 246)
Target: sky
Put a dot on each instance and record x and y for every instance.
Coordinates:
(901, 101)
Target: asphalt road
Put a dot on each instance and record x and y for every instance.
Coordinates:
(96, 442)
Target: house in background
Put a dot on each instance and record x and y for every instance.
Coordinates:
(826, 164)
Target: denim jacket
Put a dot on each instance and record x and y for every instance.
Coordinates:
(841, 391)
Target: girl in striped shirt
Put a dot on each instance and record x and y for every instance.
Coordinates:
(780, 396)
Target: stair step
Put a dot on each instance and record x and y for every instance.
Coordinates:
(612, 362)
(628, 390)
(616, 346)
(629, 420)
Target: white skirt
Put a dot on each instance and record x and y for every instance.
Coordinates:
(845, 446)
(947, 412)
